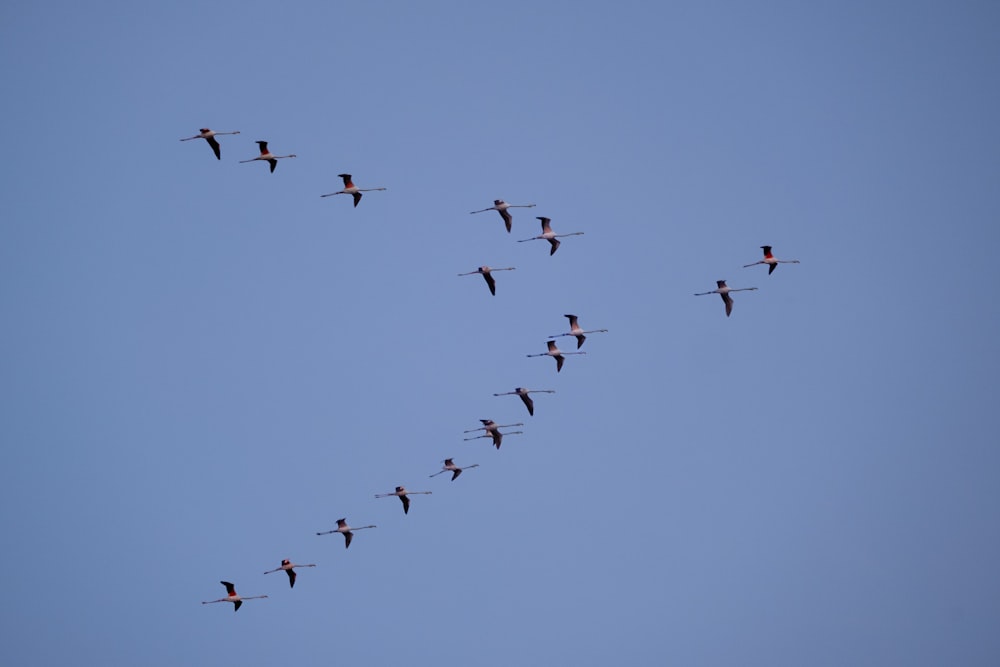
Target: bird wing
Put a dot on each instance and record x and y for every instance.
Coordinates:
(506, 219)
(230, 588)
(455, 473)
(406, 504)
(237, 605)
(215, 147)
(357, 199)
(273, 163)
(559, 362)
(291, 578)
(771, 269)
(348, 536)
(729, 303)
(555, 246)
(528, 403)
(497, 438)
(579, 340)
(492, 283)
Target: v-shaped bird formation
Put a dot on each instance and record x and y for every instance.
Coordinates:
(490, 429)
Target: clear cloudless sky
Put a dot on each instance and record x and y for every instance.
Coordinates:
(205, 363)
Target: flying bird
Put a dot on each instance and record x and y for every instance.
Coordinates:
(267, 156)
(485, 272)
(401, 492)
(449, 464)
(209, 136)
(501, 207)
(770, 260)
(556, 353)
(575, 330)
(724, 291)
(493, 431)
(287, 566)
(232, 596)
(351, 189)
(550, 236)
(344, 529)
(523, 393)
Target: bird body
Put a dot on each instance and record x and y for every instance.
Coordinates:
(523, 393)
(402, 494)
(555, 353)
(723, 290)
(234, 597)
(288, 566)
(575, 330)
(501, 207)
(267, 156)
(770, 260)
(351, 189)
(345, 530)
(550, 236)
(209, 136)
(485, 272)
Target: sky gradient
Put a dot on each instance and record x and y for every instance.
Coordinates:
(206, 363)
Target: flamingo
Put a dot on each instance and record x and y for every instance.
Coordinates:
(550, 236)
(501, 207)
(523, 393)
(554, 352)
(402, 493)
(575, 330)
(267, 156)
(771, 262)
(485, 272)
(449, 464)
(351, 189)
(343, 528)
(493, 431)
(724, 291)
(209, 136)
(234, 597)
(287, 566)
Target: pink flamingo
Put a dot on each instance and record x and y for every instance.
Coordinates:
(554, 352)
(287, 566)
(209, 136)
(232, 596)
(344, 529)
(501, 207)
(485, 272)
(523, 393)
(267, 156)
(401, 492)
(493, 431)
(724, 291)
(550, 236)
(449, 464)
(351, 189)
(770, 260)
(575, 330)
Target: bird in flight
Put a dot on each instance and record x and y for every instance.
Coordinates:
(351, 189)
(724, 291)
(501, 207)
(770, 260)
(267, 156)
(209, 136)
(234, 597)
(486, 271)
(288, 566)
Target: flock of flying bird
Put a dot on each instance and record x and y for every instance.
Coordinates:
(490, 428)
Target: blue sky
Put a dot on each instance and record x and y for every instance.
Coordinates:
(206, 363)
